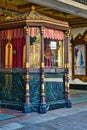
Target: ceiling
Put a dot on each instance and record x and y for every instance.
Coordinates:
(75, 16)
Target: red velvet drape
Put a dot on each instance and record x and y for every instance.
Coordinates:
(19, 52)
(48, 33)
(14, 53)
(17, 39)
(3, 53)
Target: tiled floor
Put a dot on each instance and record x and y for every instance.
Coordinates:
(78, 96)
(12, 112)
(59, 119)
(19, 115)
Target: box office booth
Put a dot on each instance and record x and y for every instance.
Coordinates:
(34, 63)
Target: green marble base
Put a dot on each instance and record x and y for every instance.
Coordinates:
(78, 86)
(43, 108)
(11, 105)
(56, 105)
(12, 90)
(68, 104)
(27, 108)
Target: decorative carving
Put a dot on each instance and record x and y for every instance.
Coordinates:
(85, 36)
(79, 54)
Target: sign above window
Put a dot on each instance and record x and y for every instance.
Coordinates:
(53, 44)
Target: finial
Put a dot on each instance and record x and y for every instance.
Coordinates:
(33, 7)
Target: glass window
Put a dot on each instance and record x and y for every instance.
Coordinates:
(53, 53)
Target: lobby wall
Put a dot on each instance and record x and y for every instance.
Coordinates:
(75, 32)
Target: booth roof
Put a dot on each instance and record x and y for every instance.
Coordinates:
(33, 18)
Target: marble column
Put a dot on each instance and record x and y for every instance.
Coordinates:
(27, 105)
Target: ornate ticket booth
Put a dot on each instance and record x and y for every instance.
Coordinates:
(34, 63)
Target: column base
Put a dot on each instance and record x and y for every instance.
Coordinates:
(43, 108)
(27, 108)
(68, 103)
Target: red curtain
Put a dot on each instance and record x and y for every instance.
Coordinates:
(53, 34)
(3, 53)
(17, 39)
(14, 64)
(19, 52)
(48, 33)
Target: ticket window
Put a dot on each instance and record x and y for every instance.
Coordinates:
(54, 55)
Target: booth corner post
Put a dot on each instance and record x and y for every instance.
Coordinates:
(68, 103)
(27, 105)
(43, 105)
